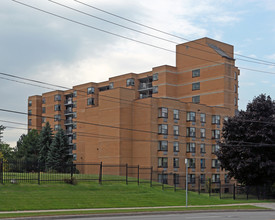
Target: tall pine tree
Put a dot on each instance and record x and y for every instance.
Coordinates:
(45, 141)
(58, 154)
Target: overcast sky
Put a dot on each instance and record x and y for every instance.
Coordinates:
(47, 48)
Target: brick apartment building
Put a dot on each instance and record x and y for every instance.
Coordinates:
(158, 118)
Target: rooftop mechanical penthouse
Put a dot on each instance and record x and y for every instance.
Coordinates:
(157, 118)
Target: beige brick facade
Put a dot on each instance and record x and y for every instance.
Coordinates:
(158, 118)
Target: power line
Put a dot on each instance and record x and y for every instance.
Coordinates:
(127, 38)
(161, 31)
(141, 32)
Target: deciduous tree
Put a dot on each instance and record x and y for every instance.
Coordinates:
(247, 150)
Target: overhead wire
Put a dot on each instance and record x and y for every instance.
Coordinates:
(161, 31)
(131, 39)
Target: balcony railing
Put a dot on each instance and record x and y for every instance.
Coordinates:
(144, 86)
(69, 102)
(68, 121)
(68, 111)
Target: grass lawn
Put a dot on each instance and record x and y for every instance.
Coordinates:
(93, 195)
(159, 210)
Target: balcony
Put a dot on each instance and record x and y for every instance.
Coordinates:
(145, 86)
(69, 131)
(69, 101)
(68, 122)
(68, 111)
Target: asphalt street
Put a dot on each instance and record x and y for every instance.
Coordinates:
(260, 215)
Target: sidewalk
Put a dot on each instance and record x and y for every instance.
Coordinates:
(265, 205)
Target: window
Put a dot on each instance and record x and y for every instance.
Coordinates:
(57, 127)
(74, 136)
(74, 115)
(235, 75)
(202, 163)
(130, 82)
(190, 132)
(163, 178)
(30, 112)
(202, 147)
(43, 100)
(216, 119)
(43, 120)
(43, 109)
(176, 114)
(215, 163)
(176, 178)
(196, 99)
(163, 162)
(176, 146)
(235, 88)
(57, 117)
(202, 178)
(74, 125)
(215, 134)
(74, 146)
(226, 178)
(235, 101)
(195, 86)
(191, 162)
(202, 132)
(90, 101)
(192, 178)
(226, 118)
(111, 85)
(163, 112)
(163, 129)
(74, 157)
(203, 118)
(57, 107)
(215, 178)
(163, 145)
(74, 104)
(195, 73)
(30, 103)
(215, 148)
(30, 122)
(90, 90)
(176, 130)
(57, 97)
(176, 162)
(155, 76)
(191, 147)
(74, 93)
(191, 116)
(155, 89)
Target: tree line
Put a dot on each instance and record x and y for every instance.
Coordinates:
(50, 152)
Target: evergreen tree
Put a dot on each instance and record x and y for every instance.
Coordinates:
(1, 132)
(58, 155)
(45, 141)
(247, 150)
(27, 149)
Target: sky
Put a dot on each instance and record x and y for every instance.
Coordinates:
(50, 49)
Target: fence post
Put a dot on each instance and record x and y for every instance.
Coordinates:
(138, 174)
(234, 191)
(72, 171)
(162, 182)
(100, 174)
(38, 175)
(2, 171)
(199, 184)
(126, 173)
(209, 187)
(220, 189)
(151, 177)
